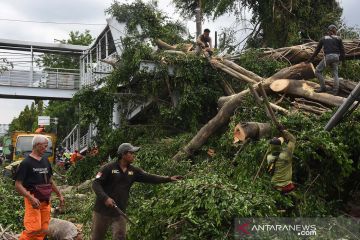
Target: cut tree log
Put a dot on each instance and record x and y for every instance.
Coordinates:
(305, 89)
(298, 71)
(253, 130)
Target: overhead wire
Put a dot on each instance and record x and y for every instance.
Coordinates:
(51, 22)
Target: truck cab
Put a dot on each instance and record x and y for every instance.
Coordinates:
(22, 145)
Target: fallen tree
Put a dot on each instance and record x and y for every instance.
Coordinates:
(229, 106)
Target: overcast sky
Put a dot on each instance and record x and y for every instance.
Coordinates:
(81, 11)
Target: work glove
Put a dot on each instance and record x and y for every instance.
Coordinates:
(281, 128)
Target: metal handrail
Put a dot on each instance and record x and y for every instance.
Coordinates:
(73, 141)
(43, 79)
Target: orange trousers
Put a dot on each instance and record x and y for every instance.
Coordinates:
(36, 221)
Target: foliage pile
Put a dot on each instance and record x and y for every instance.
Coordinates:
(11, 205)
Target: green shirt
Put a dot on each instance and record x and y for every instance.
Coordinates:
(283, 167)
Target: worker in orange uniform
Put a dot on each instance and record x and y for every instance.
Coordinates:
(34, 182)
(76, 156)
(40, 129)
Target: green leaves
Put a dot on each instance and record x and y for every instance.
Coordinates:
(144, 20)
(11, 207)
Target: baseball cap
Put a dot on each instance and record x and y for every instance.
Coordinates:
(331, 27)
(127, 147)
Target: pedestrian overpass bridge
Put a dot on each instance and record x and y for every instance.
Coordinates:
(23, 77)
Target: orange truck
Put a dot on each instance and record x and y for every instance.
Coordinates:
(22, 145)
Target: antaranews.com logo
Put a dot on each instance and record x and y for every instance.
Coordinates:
(296, 228)
(301, 230)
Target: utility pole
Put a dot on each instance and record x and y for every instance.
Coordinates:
(344, 108)
(198, 18)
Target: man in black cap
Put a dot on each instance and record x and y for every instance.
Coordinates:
(112, 185)
(334, 52)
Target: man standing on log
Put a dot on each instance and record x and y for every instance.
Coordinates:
(204, 42)
(112, 185)
(333, 53)
(279, 162)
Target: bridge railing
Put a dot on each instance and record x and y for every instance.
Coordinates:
(50, 78)
(75, 141)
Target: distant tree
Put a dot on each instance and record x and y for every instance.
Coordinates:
(66, 62)
(152, 22)
(276, 23)
(27, 120)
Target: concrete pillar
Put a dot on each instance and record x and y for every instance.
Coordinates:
(116, 115)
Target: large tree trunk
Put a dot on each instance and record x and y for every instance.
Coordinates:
(253, 130)
(221, 118)
(298, 71)
(305, 89)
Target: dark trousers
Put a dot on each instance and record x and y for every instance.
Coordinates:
(101, 223)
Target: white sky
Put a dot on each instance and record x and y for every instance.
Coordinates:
(83, 11)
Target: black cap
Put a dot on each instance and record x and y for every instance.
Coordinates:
(126, 147)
